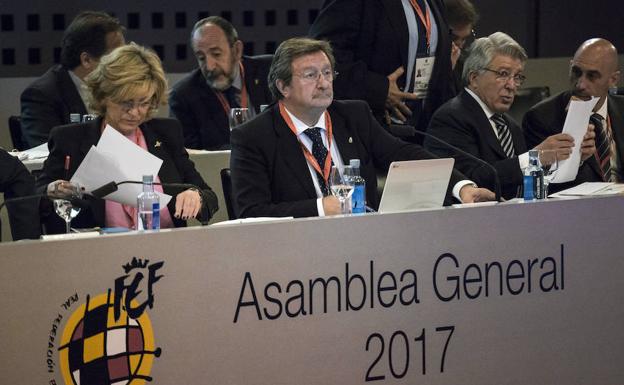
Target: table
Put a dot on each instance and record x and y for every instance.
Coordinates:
(526, 293)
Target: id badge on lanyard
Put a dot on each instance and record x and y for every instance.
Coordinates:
(422, 75)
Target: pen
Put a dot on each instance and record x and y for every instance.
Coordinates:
(66, 167)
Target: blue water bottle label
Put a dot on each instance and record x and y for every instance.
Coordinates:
(155, 216)
(528, 188)
(358, 200)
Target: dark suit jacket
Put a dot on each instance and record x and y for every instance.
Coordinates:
(270, 175)
(547, 117)
(196, 106)
(16, 181)
(370, 41)
(47, 103)
(462, 123)
(75, 140)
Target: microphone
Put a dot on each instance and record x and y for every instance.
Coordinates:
(497, 187)
(113, 186)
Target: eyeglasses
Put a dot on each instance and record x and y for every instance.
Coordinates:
(313, 76)
(504, 76)
(129, 105)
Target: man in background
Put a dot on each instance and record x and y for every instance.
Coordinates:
(225, 79)
(49, 100)
(593, 71)
(381, 48)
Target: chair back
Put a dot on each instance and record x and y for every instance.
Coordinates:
(15, 128)
(226, 184)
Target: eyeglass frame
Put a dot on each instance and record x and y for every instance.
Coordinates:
(518, 79)
(329, 75)
(127, 105)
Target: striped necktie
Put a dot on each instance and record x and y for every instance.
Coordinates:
(603, 146)
(504, 135)
(320, 153)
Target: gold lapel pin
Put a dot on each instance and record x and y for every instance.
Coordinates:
(157, 143)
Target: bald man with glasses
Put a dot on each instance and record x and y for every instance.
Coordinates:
(476, 120)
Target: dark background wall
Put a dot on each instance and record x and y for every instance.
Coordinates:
(30, 31)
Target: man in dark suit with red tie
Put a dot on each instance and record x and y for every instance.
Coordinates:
(280, 160)
(593, 71)
(381, 46)
(476, 120)
(225, 79)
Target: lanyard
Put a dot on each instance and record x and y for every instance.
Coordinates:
(424, 17)
(309, 157)
(223, 100)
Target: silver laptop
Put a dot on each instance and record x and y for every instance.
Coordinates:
(416, 184)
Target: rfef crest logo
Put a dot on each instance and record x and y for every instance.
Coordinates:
(109, 339)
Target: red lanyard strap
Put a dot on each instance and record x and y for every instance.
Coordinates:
(308, 155)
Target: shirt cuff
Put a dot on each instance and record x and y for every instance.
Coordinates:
(523, 160)
(319, 207)
(458, 186)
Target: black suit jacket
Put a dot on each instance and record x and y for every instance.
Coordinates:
(47, 103)
(462, 123)
(270, 175)
(196, 106)
(15, 182)
(370, 39)
(75, 140)
(547, 118)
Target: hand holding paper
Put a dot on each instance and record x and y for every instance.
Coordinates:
(117, 159)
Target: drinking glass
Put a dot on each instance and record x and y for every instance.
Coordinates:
(239, 116)
(550, 163)
(65, 209)
(341, 187)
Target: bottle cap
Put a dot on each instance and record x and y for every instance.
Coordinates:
(354, 163)
(148, 179)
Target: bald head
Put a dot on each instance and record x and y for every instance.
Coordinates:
(602, 50)
(594, 69)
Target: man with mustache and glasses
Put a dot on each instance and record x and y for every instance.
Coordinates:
(280, 160)
(593, 71)
(225, 79)
(476, 119)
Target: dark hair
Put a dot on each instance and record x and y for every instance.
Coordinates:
(288, 51)
(460, 13)
(87, 33)
(230, 32)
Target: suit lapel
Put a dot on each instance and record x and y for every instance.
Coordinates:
(483, 124)
(291, 152)
(617, 129)
(343, 137)
(396, 16)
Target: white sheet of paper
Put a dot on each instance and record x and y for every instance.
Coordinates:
(575, 125)
(117, 159)
(592, 189)
(37, 152)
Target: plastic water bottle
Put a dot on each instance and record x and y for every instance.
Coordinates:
(148, 206)
(534, 178)
(358, 199)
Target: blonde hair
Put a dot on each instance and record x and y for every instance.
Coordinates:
(128, 72)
